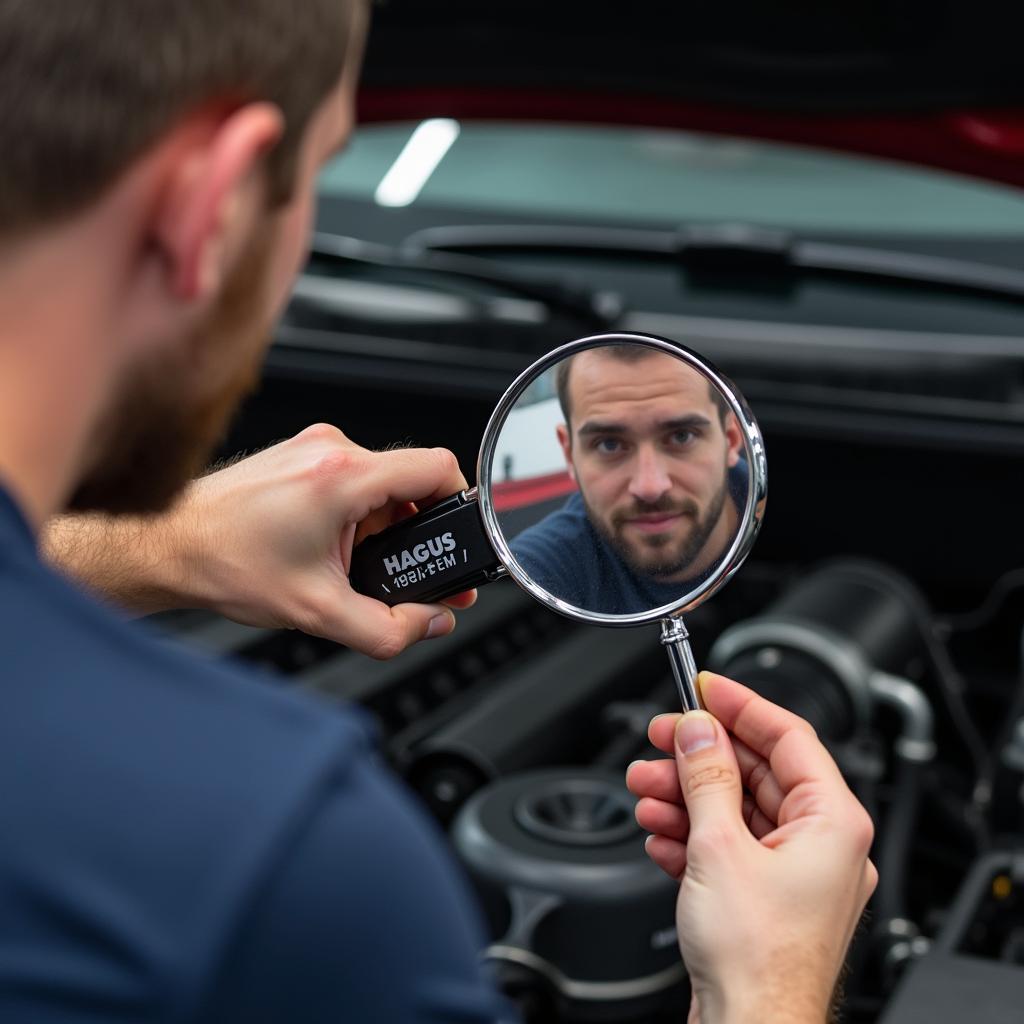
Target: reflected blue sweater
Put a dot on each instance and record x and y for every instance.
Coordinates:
(566, 556)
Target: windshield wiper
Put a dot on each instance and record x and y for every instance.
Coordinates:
(593, 309)
(732, 247)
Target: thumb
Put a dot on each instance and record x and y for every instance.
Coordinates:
(709, 776)
(371, 627)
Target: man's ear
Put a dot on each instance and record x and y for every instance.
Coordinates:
(562, 432)
(214, 191)
(734, 439)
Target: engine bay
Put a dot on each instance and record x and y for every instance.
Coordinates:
(883, 600)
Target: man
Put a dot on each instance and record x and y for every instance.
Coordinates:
(656, 454)
(182, 842)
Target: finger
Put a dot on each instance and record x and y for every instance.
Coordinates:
(708, 776)
(771, 732)
(746, 714)
(757, 823)
(759, 779)
(668, 854)
(662, 818)
(811, 782)
(658, 779)
(381, 518)
(460, 601)
(402, 510)
(658, 782)
(421, 475)
(755, 772)
(870, 880)
(381, 632)
(816, 808)
(662, 732)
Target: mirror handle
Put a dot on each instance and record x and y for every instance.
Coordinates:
(676, 639)
(429, 556)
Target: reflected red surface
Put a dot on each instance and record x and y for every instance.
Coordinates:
(510, 494)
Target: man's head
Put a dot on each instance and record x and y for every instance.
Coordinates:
(183, 138)
(650, 442)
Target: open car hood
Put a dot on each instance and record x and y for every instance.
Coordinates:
(933, 84)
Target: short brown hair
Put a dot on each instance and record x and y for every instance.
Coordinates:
(628, 352)
(87, 86)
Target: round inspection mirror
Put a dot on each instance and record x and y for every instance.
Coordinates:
(622, 479)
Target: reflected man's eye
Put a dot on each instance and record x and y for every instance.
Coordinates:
(608, 445)
(682, 438)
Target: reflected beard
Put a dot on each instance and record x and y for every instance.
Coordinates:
(155, 436)
(671, 564)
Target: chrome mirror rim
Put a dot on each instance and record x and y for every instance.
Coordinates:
(757, 482)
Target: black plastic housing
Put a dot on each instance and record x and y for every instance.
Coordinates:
(427, 557)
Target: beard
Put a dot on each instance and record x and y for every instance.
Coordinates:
(658, 556)
(158, 434)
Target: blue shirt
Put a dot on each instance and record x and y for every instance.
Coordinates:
(565, 555)
(183, 842)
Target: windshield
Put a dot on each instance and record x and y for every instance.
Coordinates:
(660, 177)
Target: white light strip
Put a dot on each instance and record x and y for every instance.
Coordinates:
(416, 163)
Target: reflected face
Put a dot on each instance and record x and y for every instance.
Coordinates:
(650, 453)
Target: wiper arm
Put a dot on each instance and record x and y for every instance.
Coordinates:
(592, 309)
(733, 247)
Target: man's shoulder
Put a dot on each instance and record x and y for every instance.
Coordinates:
(63, 648)
(566, 528)
(155, 790)
(560, 552)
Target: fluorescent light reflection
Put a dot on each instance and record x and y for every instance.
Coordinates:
(417, 162)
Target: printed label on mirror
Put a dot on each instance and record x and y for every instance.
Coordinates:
(440, 551)
(416, 564)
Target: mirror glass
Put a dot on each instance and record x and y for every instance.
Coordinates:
(620, 479)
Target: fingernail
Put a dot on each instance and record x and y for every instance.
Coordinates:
(703, 678)
(665, 714)
(695, 731)
(440, 625)
(639, 760)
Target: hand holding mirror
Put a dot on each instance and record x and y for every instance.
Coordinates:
(621, 481)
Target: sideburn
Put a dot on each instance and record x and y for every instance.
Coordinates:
(157, 435)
